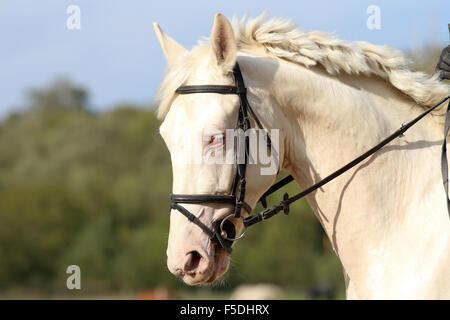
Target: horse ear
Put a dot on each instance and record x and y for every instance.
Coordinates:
(171, 49)
(223, 43)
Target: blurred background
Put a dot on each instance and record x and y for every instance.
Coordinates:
(85, 176)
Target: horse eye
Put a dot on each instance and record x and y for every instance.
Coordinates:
(216, 139)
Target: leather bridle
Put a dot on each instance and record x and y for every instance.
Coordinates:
(223, 232)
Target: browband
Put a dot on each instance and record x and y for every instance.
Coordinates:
(211, 88)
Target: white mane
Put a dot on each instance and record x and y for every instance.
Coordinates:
(281, 38)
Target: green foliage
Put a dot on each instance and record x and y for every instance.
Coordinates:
(62, 94)
(82, 188)
(37, 222)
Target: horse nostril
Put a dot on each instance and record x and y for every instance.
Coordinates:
(192, 261)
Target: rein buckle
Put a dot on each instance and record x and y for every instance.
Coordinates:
(286, 205)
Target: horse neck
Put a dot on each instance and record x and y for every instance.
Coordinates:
(394, 199)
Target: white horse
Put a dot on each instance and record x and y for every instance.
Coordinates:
(331, 100)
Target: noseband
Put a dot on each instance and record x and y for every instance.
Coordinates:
(224, 232)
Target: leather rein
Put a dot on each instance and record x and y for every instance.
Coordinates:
(223, 232)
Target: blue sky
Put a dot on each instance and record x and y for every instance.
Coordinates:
(117, 57)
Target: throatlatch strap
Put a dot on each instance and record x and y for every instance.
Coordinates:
(444, 164)
(280, 184)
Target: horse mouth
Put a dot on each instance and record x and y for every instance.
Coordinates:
(218, 265)
(221, 263)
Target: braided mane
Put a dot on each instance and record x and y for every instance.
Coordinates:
(281, 38)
